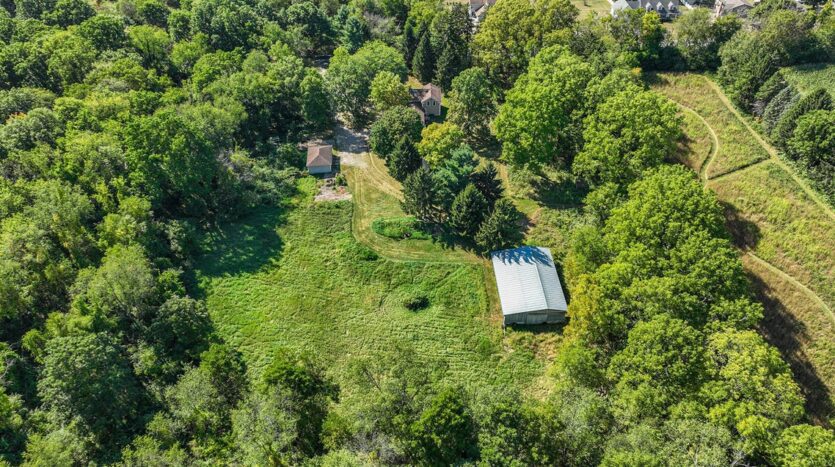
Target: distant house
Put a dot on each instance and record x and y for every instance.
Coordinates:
(529, 287)
(666, 9)
(478, 9)
(427, 100)
(320, 159)
(733, 7)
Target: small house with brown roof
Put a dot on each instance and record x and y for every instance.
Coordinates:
(320, 159)
(427, 101)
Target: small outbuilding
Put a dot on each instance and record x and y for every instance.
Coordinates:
(529, 287)
(320, 159)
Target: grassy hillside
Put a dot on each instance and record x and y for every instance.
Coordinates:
(298, 279)
(787, 233)
(809, 77)
(735, 149)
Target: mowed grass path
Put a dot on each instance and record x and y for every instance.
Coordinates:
(783, 229)
(297, 279)
(736, 148)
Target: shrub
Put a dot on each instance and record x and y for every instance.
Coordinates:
(399, 228)
(416, 302)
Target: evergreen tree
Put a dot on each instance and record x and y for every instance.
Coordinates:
(355, 33)
(405, 159)
(818, 100)
(500, 230)
(487, 180)
(423, 63)
(409, 43)
(420, 195)
(468, 211)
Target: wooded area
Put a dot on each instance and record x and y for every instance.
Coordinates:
(152, 171)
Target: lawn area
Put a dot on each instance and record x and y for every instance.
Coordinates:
(809, 77)
(736, 146)
(587, 7)
(298, 279)
(377, 196)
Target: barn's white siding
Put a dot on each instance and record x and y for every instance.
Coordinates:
(529, 287)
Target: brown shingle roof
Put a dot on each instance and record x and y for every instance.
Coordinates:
(318, 156)
(430, 90)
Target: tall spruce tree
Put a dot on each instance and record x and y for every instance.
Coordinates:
(404, 160)
(501, 229)
(409, 42)
(420, 195)
(423, 63)
(468, 211)
(487, 180)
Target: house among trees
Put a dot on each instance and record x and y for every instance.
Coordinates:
(478, 9)
(666, 9)
(320, 159)
(733, 7)
(427, 101)
(529, 287)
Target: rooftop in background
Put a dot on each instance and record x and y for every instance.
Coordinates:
(528, 282)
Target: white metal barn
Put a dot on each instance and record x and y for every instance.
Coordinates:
(529, 287)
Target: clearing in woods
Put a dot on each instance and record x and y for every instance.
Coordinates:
(782, 226)
(314, 277)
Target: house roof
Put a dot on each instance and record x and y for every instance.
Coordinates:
(430, 90)
(527, 280)
(320, 155)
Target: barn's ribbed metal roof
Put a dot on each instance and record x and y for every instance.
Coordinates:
(527, 280)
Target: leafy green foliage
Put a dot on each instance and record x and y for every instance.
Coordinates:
(472, 104)
(536, 124)
(629, 133)
(404, 160)
(394, 124)
(349, 76)
(501, 229)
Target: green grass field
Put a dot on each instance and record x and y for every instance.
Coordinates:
(809, 77)
(788, 233)
(297, 279)
(587, 7)
(735, 143)
(782, 225)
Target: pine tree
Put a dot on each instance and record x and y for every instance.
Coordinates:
(423, 64)
(453, 60)
(501, 229)
(410, 43)
(468, 211)
(404, 160)
(487, 180)
(420, 195)
(355, 33)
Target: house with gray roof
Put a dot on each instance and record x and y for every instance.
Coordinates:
(529, 287)
(427, 100)
(666, 9)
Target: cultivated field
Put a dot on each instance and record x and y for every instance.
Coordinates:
(785, 231)
(809, 77)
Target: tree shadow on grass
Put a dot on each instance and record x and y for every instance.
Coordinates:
(781, 329)
(744, 233)
(245, 245)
